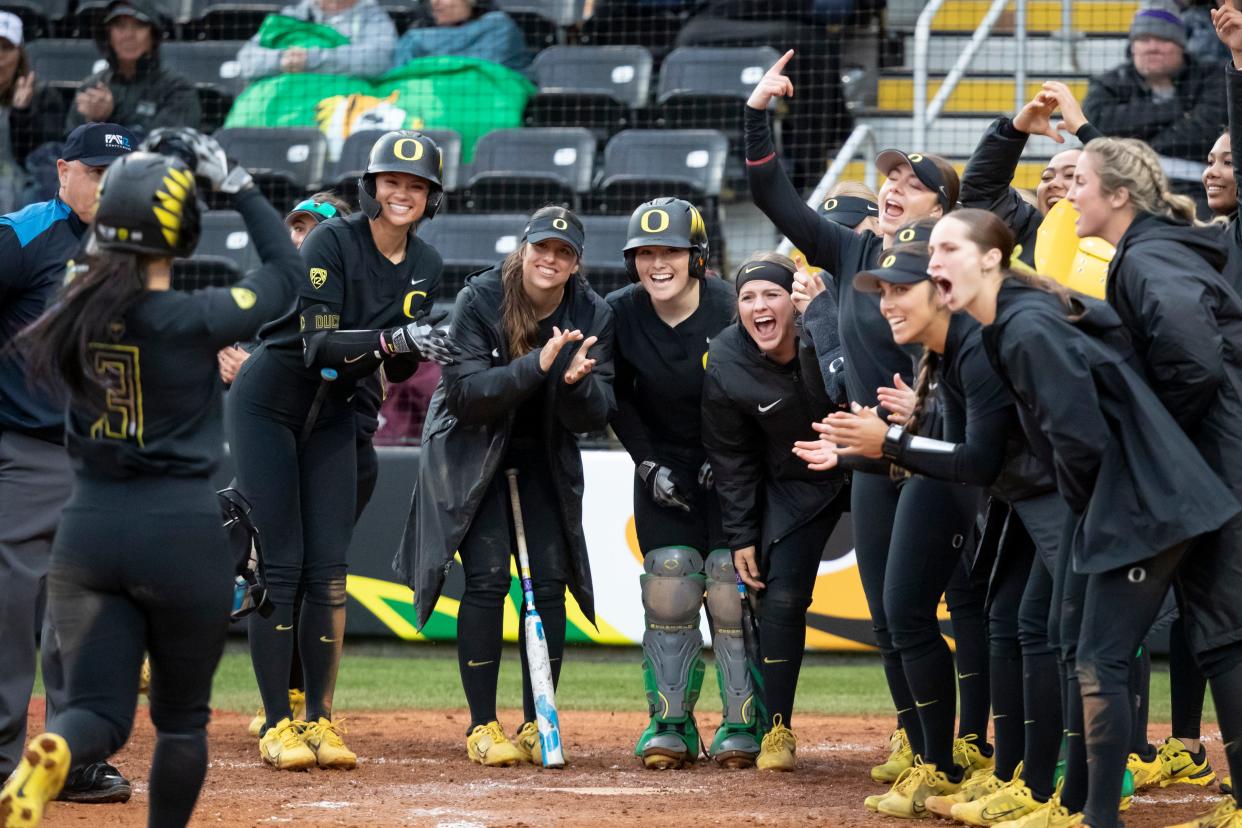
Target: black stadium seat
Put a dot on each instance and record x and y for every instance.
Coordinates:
(285, 161)
(225, 236)
(640, 164)
(602, 258)
(228, 19)
(524, 169)
(471, 242)
(541, 21)
(601, 87)
(64, 62)
(213, 68)
(38, 16)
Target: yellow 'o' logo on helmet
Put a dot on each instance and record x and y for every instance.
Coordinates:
(560, 224)
(650, 227)
(400, 150)
(830, 204)
(889, 260)
(906, 235)
(916, 158)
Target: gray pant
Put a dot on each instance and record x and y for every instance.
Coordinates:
(35, 481)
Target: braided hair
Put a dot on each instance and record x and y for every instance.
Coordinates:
(1132, 164)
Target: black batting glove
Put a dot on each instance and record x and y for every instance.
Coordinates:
(661, 485)
(422, 338)
(707, 481)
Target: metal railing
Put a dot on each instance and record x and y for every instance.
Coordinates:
(861, 142)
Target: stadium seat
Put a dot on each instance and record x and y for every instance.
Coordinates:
(285, 161)
(601, 257)
(64, 62)
(599, 87)
(640, 164)
(402, 12)
(524, 169)
(541, 21)
(225, 236)
(705, 87)
(471, 242)
(213, 68)
(228, 19)
(357, 149)
(37, 16)
(623, 23)
(204, 271)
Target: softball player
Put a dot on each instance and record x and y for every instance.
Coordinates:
(535, 369)
(140, 562)
(664, 324)
(361, 305)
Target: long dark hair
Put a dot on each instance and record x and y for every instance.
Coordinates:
(20, 71)
(89, 308)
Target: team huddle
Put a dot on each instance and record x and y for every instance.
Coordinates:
(1063, 469)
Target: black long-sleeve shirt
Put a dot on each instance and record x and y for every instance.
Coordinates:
(1233, 230)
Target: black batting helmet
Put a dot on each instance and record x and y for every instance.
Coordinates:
(668, 222)
(147, 205)
(403, 151)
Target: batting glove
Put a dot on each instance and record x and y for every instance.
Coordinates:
(661, 485)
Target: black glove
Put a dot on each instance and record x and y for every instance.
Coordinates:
(707, 481)
(661, 485)
(223, 175)
(424, 338)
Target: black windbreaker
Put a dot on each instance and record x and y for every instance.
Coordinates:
(871, 356)
(1131, 476)
(1186, 324)
(988, 178)
(469, 423)
(753, 412)
(1233, 230)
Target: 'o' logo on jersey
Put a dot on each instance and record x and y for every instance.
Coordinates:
(318, 276)
(830, 204)
(906, 235)
(889, 260)
(651, 226)
(400, 149)
(916, 158)
(560, 224)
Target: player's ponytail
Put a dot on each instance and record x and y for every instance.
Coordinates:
(1132, 164)
(517, 312)
(90, 308)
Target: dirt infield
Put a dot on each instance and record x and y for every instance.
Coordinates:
(413, 771)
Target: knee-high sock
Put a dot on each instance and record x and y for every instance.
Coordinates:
(1005, 676)
(1187, 685)
(1227, 693)
(271, 651)
(934, 689)
(321, 638)
(782, 646)
(1140, 692)
(1041, 693)
(554, 633)
(1074, 790)
(178, 768)
(480, 631)
(1108, 717)
(297, 678)
(973, 675)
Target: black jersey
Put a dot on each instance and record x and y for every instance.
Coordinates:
(348, 284)
(163, 414)
(660, 369)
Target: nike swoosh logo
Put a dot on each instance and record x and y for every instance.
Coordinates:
(416, 282)
(920, 705)
(478, 663)
(767, 660)
(349, 361)
(327, 640)
(961, 676)
(764, 409)
(991, 816)
(283, 627)
(496, 352)
(749, 269)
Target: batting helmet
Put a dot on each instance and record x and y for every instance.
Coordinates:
(147, 205)
(403, 151)
(668, 222)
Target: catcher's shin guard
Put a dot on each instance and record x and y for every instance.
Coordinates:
(672, 590)
(736, 743)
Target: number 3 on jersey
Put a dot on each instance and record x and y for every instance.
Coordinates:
(118, 368)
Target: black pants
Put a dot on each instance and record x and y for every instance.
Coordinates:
(965, 596)
(488, 555)
(789, 566)
(138, 566)
(303, 500)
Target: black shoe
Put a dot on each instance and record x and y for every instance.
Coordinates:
(97, 783)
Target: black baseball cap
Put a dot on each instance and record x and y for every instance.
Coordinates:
(129, 9)
(848, 210)
(924, 168)
(556, 223)
(898, 268)
(98, 144)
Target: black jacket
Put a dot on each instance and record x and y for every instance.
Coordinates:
(986, 183)
(1233, 230)
(1186, 325)
(468, 425)
(1132, 478)
(753, 412)
(154, 97)
(1120, 104)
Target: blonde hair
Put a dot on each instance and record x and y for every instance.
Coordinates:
(1132, 164)
(854, 189)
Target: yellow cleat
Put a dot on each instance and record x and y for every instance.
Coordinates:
(778, 749)
(528, 744)
(900, 786)
(324, 738)
(910, 800)
(1049, 814)
(1224, 814)
(1178, 766)
(144, 679)
(489, 746)
(283, 748)
(900, 757)
(1012, 801)
(978, 786)
(37, 780)
(1146, 773)
(297, 709)
(968, 755)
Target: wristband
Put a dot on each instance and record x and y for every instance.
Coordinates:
(894, 440)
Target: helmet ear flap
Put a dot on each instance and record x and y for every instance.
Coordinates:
(698, 262)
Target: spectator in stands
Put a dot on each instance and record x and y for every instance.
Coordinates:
(1162, 95)
(465, 29)
(1201, 40)
(368, 53)
(30, 113)
(134, 89)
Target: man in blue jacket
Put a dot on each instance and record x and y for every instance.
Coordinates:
(37, 245)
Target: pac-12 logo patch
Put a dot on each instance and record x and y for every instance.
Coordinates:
(318, 276)
(244, 297)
